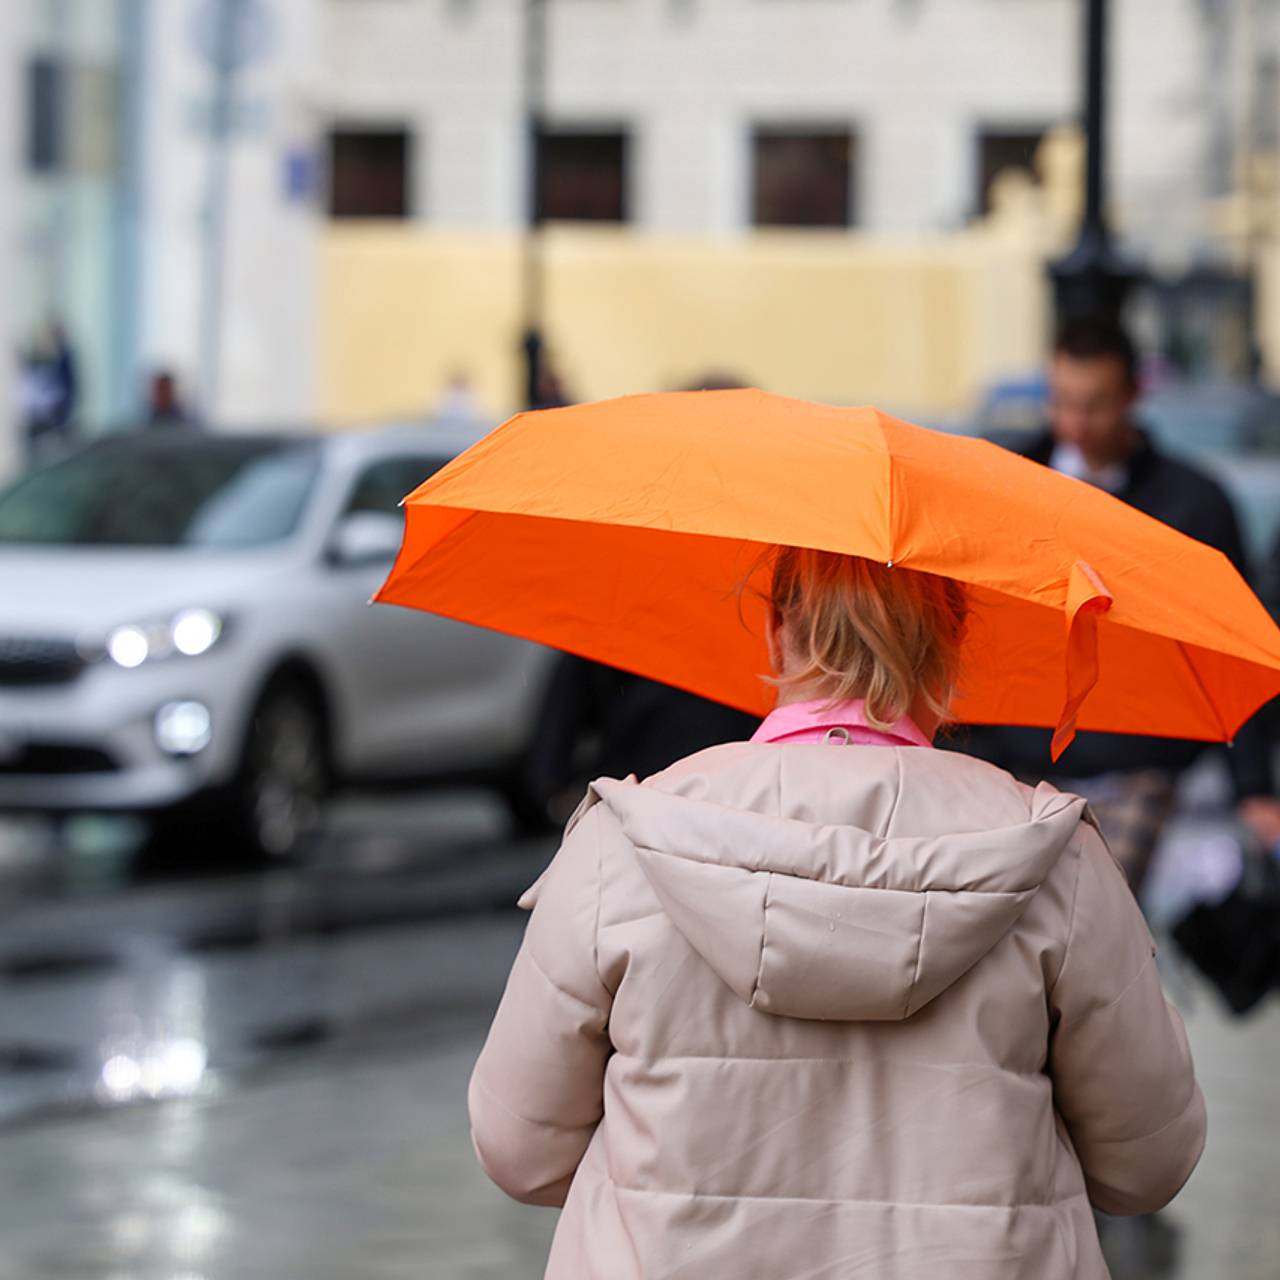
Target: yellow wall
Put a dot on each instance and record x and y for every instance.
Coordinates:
(917, 326)
(1267, 312)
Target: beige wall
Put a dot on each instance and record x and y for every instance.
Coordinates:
(1267, 312)
(917, 326)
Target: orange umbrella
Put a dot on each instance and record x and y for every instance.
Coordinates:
(623, 530)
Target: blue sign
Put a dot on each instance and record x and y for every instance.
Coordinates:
(232, 35)
(301, 174)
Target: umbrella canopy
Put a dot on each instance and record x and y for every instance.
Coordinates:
(625, 530)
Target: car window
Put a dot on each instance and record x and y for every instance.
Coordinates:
(260, 505)
(383, 484)
(197, 492)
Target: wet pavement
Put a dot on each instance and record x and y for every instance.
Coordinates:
(111, 992)
(264, 1075)
(347, 1161)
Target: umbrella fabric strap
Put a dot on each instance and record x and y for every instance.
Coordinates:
(1087, 597)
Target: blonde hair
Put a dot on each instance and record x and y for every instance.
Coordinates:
(862, 629)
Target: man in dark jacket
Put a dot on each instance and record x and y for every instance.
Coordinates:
(1129, 779)
(599, 721)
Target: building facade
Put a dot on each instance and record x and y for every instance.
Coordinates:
(823, 166)
(167, 211)
(923, 100)
(316, 209)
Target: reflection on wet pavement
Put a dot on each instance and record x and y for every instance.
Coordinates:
(125, 991)
(345, 1167)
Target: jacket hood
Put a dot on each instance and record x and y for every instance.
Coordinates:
(810, 920)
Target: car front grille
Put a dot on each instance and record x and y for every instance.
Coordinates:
(30, 660)
(55, 758)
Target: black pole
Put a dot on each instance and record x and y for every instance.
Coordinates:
(1093, 279)
(531, 283)
(1095, 90)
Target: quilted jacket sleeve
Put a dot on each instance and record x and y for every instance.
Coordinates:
(1122, 1073)
(537, 1091)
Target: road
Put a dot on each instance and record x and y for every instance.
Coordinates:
(264, 1076)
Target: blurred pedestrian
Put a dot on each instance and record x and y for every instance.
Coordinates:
(833, 1002)
(64, 376)
(48, 394)
(1271, 580)
(166, 407)
(1093, 434)
(35, 400)
(457, 402)
(1266, 825)
(552, 392)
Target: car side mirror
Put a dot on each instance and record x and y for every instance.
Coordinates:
(364, 538)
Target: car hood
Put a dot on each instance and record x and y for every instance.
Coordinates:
(83, 592)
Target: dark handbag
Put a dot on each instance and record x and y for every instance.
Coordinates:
(1235, 942)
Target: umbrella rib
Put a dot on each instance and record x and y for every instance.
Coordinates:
(1227, 735)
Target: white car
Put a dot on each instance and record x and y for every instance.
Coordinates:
(185, 632)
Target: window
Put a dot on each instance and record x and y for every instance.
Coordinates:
(803, 177)
(1000, 149)
(46, 109)
(369, 173)
(72, 118)
(582, 175)
(382, 485)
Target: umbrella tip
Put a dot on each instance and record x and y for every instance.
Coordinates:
(888, 564)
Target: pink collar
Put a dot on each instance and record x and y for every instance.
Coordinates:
(813, 721)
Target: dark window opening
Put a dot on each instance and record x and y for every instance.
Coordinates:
(582, 176)
(369, 173)
(803, 178)
(46, 113)
(1001, 149)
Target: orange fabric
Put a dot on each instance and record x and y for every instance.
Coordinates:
(1087, 596)
(632, 530)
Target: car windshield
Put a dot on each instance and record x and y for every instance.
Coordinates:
(208, 493)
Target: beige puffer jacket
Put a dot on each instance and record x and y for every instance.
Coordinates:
(816, 1011)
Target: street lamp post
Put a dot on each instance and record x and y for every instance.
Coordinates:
(531, 283)
(1093, 279)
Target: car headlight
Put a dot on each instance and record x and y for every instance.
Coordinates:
(188, 633)
(183, 728)
(195, 631)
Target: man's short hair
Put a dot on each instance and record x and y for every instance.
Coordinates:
(1096, 338)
